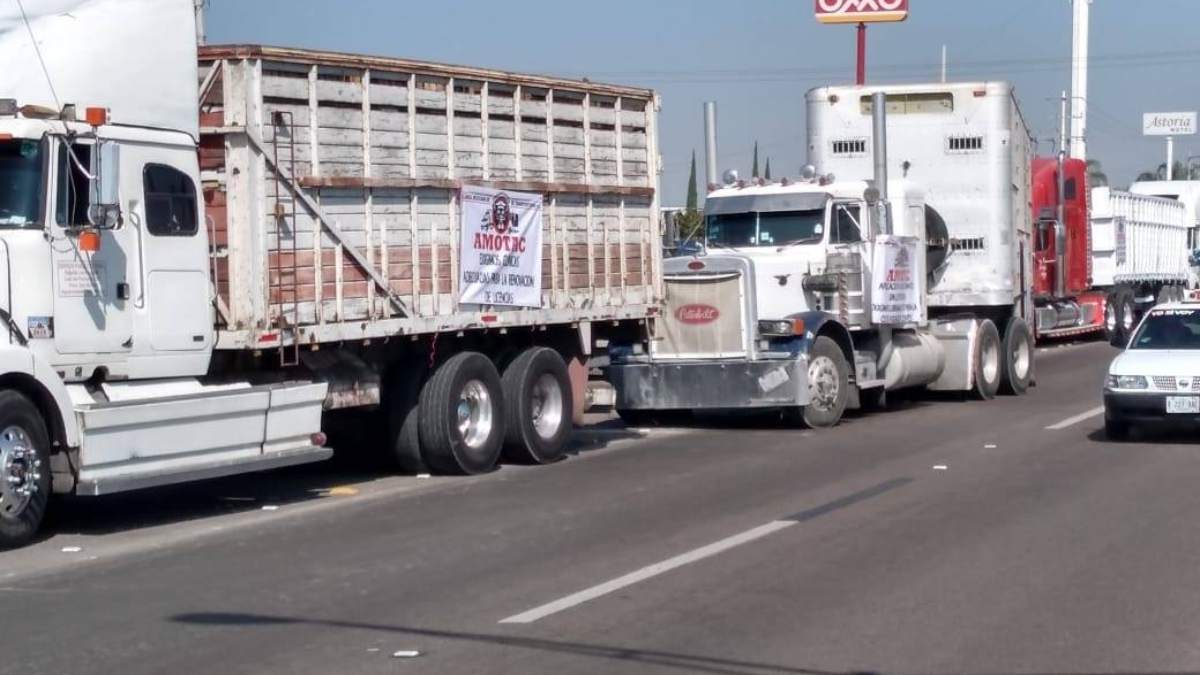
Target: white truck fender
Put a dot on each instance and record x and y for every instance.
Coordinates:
(30, 374)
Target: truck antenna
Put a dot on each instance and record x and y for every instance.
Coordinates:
(37, 50)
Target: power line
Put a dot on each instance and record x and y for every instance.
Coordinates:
(37, 50)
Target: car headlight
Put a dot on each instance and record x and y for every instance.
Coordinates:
(782, 328)
(1127, 382)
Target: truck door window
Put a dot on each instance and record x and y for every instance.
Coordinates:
(74, 189)
(847, 227)
(21, 171)
(171, 209)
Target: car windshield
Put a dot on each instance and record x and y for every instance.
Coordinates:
(742, 230)
(1169, 329)
(20, 182)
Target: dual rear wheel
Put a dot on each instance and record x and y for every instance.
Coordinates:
(466, 414)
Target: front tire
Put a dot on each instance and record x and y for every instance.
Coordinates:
(988, 361)
(828, 384)
(1018, 354)
(537, 391)
(1116, 430)
(461, 420)
(24, 470)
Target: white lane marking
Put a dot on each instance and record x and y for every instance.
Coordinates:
(1081, 417)
(649, 572)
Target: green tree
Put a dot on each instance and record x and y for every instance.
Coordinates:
(767, 171)
(754, 171)
(690, 222)
(1096, 175)
(693, 196)
(1182, 172)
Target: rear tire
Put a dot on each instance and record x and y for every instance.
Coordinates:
(25, 456)
(461, 419)
(403, 445)
(828, 384)
(988, 362)
(537, 391)
(1018, 354)
(1118, 317)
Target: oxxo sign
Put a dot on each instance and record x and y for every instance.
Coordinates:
(1169, 124)
(861, 11)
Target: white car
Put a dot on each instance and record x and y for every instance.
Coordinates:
(1157, 378)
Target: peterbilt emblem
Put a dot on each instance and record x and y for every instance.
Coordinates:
(697, 314)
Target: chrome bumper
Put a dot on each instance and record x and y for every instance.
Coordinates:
(711, 384)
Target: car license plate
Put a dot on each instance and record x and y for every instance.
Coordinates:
(1183, 405)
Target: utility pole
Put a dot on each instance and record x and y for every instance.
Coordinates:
(201, 34)
(943, 64)
(1079, 77)
(710, 145)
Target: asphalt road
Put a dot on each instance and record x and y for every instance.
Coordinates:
(945, 536)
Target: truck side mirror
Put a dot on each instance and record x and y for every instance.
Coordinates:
(105, 209)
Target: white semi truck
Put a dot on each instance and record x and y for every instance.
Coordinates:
(205, 252)
(828, 292)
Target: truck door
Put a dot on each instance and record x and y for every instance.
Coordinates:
(175, 274)
(92, 312)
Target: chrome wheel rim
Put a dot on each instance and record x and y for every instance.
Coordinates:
(823, 383)
(1021, 358)
(1110, 317)
(991, 361)
(20, 471)
(546, 406)
(475, 414)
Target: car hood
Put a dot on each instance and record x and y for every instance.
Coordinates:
(1151, 363)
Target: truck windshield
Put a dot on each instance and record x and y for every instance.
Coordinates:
(20, 183)
(1169, 329)
(741, 230)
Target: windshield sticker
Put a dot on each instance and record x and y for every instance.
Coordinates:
(818, 229)
(29, 149)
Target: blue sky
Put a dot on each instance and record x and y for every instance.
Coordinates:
(756, 58)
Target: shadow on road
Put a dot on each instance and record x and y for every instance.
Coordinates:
(356, 465)
(626, 655)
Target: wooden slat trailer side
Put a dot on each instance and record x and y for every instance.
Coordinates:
(332, 186)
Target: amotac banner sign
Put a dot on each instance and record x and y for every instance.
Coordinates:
(861, 11)
(501, 249)
(895, 281)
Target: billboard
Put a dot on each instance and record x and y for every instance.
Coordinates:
(1169, 124)
(861, 11)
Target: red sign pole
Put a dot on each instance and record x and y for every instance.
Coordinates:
(862, 55)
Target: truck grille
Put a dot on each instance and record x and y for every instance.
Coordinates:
(704, 318)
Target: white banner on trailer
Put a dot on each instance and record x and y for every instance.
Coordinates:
(895, 286)
(135, 57)
(501, 250)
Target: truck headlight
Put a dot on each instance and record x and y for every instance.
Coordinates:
(781, 328)
(1127, 382)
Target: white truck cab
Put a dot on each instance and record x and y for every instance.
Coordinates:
(814, 295)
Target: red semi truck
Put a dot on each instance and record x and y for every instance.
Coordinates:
(1101, 257)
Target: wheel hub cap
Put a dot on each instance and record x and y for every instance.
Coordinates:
(546, 406)
(991, 362)
(475, 414)
(823, 383)
(20, 471)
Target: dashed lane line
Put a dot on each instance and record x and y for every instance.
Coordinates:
(695, 555)
(1081, 417)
